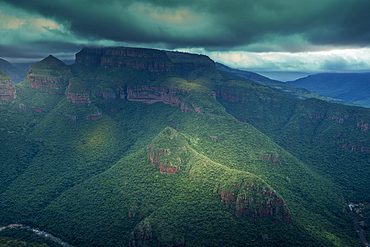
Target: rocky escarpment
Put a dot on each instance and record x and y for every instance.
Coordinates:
(153, 94)
(48, 84)
(49, 75)
(7, 89)
(265, 202)
(187, 62)
(164, 165)
(144, 59)
(136, 58)
(77, 93)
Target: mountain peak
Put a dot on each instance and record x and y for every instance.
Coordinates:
(50, 67)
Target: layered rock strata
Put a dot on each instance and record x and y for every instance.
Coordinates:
(153, 94)
(7, 89)
(78, 97)
(48, 84)
(136, 58)
(143, 59)
(188, 62)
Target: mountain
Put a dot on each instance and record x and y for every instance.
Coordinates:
(288, 89)
(14, 73)
(142, 147)
(352, 87)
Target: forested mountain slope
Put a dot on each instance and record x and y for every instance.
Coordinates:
(141, 147)
(289, 89)
(352, 87)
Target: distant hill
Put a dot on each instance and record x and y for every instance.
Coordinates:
(14, 73)
(291, 91)
(353, 87)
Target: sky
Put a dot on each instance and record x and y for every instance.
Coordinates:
(298, 36)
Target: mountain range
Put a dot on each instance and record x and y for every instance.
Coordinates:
(13, 72)
(144, 147)
(353, 87)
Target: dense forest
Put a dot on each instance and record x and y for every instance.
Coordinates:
(141, 147)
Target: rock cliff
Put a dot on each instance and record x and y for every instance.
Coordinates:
(187, 62)
(49, 75)
(153, 94)
(77, 93)
(144, 59)
(48, 84)
(136, 58)
(7, 89)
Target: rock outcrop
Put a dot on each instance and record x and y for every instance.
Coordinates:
(77, 93)
(136, 58)
(187, 62)
(49, 75)
(153, 94)
(143, 59)
(266, 202)
(7, 89)
(106, 93)
(48, 84)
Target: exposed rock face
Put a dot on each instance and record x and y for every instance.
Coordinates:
(21, 107)
(106, 93)
(137, 58)
(156, 161)
(49, 75)
(122, 94)
(187, 62)
(94, 116)
(141, 235)
(229, 97)
(7, 89)
(150, 95)
(78, 98)
(48, 84)
(269, 204)
(144, 59)
(77, 93)
(363, 126)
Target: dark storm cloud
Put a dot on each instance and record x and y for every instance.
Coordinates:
(291, 25)
(38, 50)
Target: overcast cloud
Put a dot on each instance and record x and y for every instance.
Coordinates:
(277, 35)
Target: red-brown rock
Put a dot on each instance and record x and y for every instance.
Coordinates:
(7, 90)
(52, 85)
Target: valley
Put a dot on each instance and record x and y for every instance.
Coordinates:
(142, 147)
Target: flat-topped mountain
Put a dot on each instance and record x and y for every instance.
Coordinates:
(142, 59)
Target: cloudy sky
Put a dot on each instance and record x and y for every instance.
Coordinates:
(259, 35)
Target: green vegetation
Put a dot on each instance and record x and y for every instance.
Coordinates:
(285, 89)
(188, 174)
(4, 76)
(24, 238)
(76, 86)
(50, 67)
